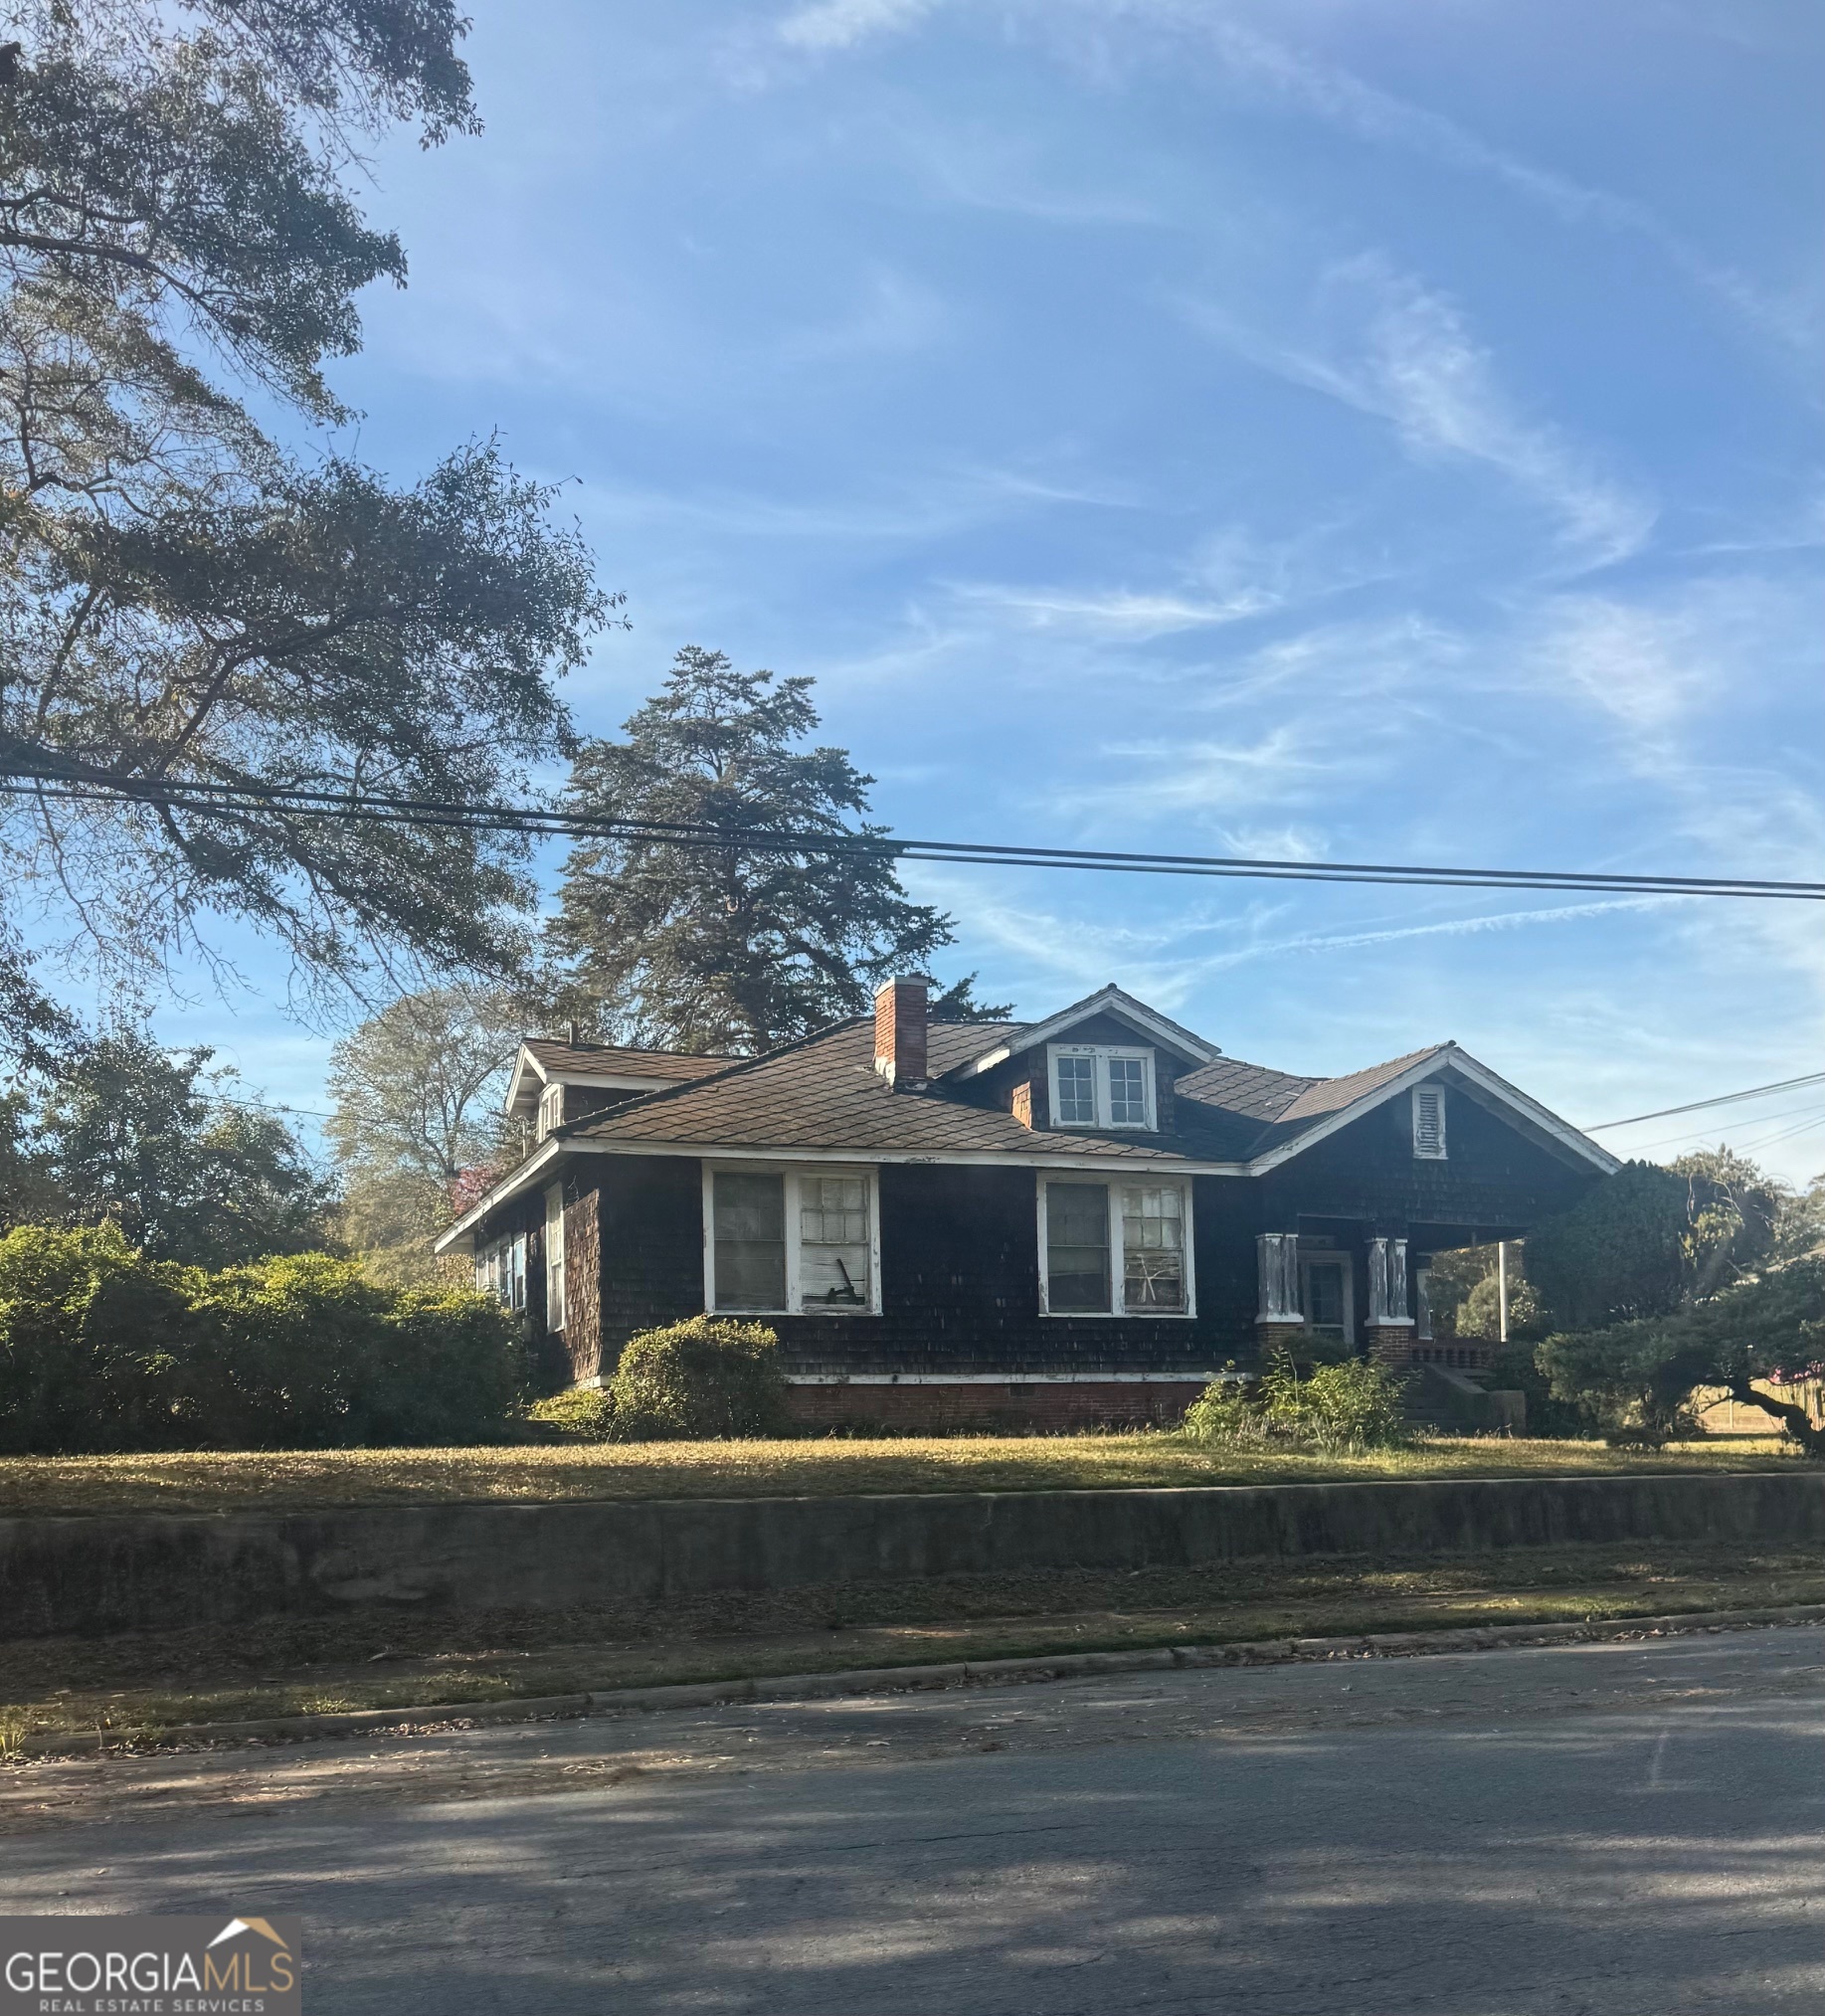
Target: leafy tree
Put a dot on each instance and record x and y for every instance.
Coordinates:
(182, 602)
(723, 949)
(1642, 1375)
(417, 1091)
(1648, 1240)
(145, 1137)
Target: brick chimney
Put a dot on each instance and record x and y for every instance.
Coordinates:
(899, 1031)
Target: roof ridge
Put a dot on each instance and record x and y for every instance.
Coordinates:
(737, 1066)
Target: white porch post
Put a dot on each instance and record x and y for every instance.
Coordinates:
(1393, 1327)
(1279, 1320)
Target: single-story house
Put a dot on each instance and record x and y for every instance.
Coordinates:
(1077, 1220)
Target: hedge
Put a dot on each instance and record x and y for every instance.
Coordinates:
(101, 1348)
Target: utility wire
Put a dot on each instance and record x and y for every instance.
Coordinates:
(227, 801)
(1722, 1099)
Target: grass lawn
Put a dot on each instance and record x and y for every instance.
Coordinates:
(790, 1469)
(134, 1683)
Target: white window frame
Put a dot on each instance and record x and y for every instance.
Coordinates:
(1329, 1256)
(1112, 1187)
(1104, 1053)
(551, 1110)
(1441, 1152)
(554, 1258)
(792, 1177)
(497, 1273)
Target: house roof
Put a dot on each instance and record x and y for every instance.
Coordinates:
(822, 1096)
(1108, 1000)
(585, 1060)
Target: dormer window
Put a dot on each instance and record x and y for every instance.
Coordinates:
(1099, 1085)
(551, 1110)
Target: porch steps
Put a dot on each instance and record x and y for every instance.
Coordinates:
(1442, 1397)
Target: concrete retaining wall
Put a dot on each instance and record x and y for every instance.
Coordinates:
(157, 1571)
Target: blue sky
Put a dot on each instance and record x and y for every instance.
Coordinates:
(1379, 429)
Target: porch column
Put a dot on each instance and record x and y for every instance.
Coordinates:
(1279, 1320)
(1390, 1328)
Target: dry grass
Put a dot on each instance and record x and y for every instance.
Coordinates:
(790, 1469)
(132, 1685)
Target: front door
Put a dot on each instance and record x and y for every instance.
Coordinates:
(1326, 1296)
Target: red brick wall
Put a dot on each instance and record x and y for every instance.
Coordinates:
(1010, 1408)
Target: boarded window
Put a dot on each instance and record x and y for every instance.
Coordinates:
(1078, 1248)
(1153, 1248)
(833, 1242)
(1429, 1122)
(750, 1240)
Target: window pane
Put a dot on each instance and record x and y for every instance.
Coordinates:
(1325, 1296)
(750, 1241)
(1078, 1247)
(1076, 1092)
(833, 1236)
(1153, 1248)
(1127, 1092)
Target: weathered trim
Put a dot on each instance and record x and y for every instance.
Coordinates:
(509, 1186)
(1446, 1058)
(1111, 1001)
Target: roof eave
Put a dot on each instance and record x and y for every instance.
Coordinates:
(1446, 1056)
(1111, 999)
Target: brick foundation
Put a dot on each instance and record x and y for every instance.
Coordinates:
(1273, 1337)
(1013, 1409)
(1392, 1345)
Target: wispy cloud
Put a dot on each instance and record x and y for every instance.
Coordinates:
(1408, 357)
(1451, 927)
(840, 23)
(1272, 68)
(1116, 614)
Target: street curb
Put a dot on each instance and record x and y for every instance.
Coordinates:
(619, 1701)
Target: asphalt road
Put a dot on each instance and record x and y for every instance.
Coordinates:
(1617, 1828)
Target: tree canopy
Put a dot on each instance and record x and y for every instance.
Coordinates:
(155, 1142)
(728, 949)
(185, 602)
(417, 1091)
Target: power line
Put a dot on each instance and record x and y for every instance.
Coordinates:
(1722, 1099)
(232, 801)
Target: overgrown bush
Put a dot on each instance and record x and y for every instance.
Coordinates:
(101, 1348)
(91, 1339)
(1348, 1406)
(703, 1380)
(581, 1414)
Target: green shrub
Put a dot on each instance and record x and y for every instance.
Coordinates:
(1228, 1412)
(1355, 1405)
(582, 1415)
(101, 1348)
(91, 1336)
(1352, 1405)
(700, 1380)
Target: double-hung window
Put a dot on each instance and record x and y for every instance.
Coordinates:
(554, 1257)
(501, 1270)
(1114, 1248)
(1096, 1085)
(792, 1243)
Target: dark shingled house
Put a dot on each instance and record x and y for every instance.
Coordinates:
(1073, 1220)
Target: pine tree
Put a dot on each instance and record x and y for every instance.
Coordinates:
(734, 949)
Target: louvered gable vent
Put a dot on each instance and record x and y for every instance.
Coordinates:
(1429, 1123)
